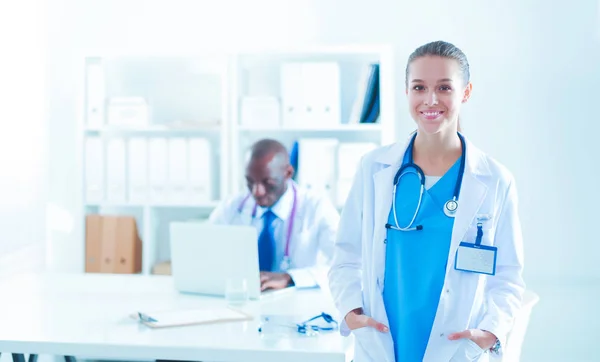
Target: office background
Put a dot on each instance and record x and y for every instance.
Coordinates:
(535, 72)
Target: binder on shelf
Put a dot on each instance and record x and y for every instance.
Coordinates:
(199, 170)
(157, 174)
(317, 164)
(115, 171)
(138, 189)
(311, 94)
(292, 94)
(370, 109)
(242, 184)
(359, 97)
(94, 170)
(373, 115)
(294, 159)
(322, 99)
(178, 170)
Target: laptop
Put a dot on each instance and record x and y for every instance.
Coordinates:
(204, 256)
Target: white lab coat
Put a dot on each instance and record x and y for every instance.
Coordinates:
(313, 235)
(468, 300)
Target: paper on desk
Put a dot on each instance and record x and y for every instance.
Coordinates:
(184, 317)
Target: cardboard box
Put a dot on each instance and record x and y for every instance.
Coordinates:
(112, 245)
(163, 268)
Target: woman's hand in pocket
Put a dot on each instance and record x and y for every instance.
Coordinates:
(356, 319)
(483, 339)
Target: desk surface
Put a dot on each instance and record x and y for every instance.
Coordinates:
(88, 315)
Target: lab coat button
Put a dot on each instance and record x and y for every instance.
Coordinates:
(442, 334)
(447, 290)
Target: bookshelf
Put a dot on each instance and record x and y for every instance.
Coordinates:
(201, 96)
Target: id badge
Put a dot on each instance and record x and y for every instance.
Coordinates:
(476, 258)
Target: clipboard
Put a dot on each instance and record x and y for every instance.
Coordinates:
(188, 317)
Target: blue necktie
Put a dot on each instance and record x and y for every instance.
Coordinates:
(266, 242)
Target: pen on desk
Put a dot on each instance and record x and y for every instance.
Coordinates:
(146, 318)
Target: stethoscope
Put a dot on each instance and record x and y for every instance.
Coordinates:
(305, 327)
(450, 206)
(285, 264)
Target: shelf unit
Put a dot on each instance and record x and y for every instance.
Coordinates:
(267, 63)
(152, 131)
(342, 128)
(210, 86)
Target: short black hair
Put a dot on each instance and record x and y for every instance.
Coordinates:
(268, 147)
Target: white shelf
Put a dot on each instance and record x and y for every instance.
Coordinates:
(201, 205)
(375, 127)
(151, 130)
(254, 56)
(316, 50)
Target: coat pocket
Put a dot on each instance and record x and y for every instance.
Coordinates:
(468, 351)
(367, 345)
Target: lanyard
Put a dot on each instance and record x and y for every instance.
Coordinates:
(290, 224)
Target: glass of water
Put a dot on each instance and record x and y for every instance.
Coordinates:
(236, 291)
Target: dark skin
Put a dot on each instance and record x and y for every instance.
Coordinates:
(267, 177)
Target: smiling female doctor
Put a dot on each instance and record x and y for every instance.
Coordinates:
(428, 257)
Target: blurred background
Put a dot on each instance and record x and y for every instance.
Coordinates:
(106, 105)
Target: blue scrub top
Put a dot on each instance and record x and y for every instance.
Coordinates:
(415, 265)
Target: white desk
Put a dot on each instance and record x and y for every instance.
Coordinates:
(88, 315)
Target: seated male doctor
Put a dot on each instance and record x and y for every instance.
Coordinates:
(296, 227)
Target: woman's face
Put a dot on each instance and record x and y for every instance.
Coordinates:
(436, 91)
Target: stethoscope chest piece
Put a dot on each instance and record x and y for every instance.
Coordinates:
(285, 263)
(450, 208)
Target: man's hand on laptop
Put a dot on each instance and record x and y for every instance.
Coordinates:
(270, 280)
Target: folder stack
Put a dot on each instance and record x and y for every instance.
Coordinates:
(148, 170)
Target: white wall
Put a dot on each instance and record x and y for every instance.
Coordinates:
(534, 67)
(23, 162)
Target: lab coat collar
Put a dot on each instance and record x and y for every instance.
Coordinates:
(476, 163)
(283, 207)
